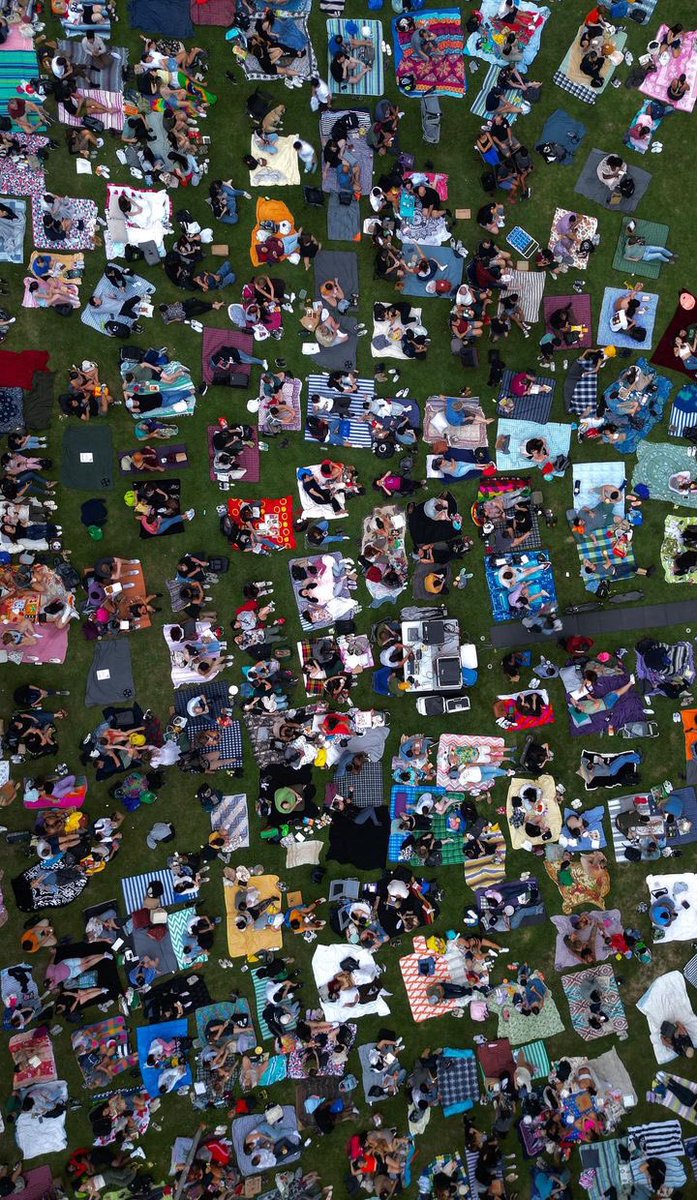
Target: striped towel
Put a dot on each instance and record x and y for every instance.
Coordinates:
(529, 287)
(111, 100)
(232, 818)
(537, 1057)
(355, 432)
(15, 66)
(670, 1101)
(177, 925)
(690, 971)
(260, 1000)
(491, 868)
(134, 888)
(511, 95)
(659, 1138)
(276, 1071)
(373, 83)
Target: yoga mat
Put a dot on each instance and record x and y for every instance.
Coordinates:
(87, 458)
(590, 186)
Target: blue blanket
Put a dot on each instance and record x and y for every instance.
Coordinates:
(170, 17)
(647, 320)
(167, 1031)
(446, 257)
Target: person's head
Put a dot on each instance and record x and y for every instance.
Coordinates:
(614, 161)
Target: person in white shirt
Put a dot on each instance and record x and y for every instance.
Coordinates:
(306, 154)
(321, 98)
(95, 46)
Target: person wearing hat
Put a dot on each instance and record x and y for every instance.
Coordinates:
(162, 831)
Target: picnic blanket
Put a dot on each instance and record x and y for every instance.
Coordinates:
(108, 77)
(562, 129)
(569, 249)
(676, 893)
(466, 751)
(150, 225)
(333, 599)
(529, 287)
(656, 83)
(403, 801)
(11, 409)
(214, 340)
(169, 17)
(372, 83)
(165, 1032)
(12, 231)
(357, 151)
(33, 1058)
(87, 458)
(449, 268)
(101, 1051)
(545, 808)
(290, 394)
(286, 1127)
(135, 888)
(82, 212)
(654, 234)
(214, 12)
(571, 79)
(440, 74)
(590, 881)
(578, 988)
(416, 985)
(458, 1080)
(588, 184)
(602, 923)
(110, 676)
(589, 477)
(98, 318)
(510, 457)
(677, 1094)
(23, 174)
(673, 545)
(289, 31)
(581, 314)
(520, 1028)
(282, 169)
(230, 817)
(243, 942)
(343, 266)
(326, 962)
(666, 999)
(645, 320)
(528, 25)
(275, 520)
(685, 317)
(542, 586)
(535, 408)
(660, 467)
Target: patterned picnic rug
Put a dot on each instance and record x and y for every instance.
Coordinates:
(577, 988)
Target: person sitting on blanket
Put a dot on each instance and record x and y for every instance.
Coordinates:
(583, 700)
(349, 69)
(675, 1037)
(273, 57)
(685, 348)
(530, 999)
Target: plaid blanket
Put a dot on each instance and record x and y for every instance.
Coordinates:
(367, 784)
(596, 548)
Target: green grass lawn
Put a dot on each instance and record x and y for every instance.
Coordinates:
(668, 200)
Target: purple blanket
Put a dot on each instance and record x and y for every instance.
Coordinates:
(610, 922)
(629, 708)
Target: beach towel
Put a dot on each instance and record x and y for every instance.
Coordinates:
(443, 72)
(685, 317)
(684, 1105)
(683, 414)
(510, 95)
(350, 429)
(109, 77)
(656, 83)
(135, 887)
(588, 184)
(577, 989)
(112, 115)
(16, 67)
(372, 83)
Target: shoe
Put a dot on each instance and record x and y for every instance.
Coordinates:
(189, 514)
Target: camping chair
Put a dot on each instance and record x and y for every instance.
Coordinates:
(522, 241)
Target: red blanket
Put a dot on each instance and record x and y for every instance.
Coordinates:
(17, 367)
(279, 527)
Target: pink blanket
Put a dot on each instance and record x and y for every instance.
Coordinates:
(656, 84)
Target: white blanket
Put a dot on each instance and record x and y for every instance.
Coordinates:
(36, 1134)
(682, 890)
(326, 963)
(666, 1000)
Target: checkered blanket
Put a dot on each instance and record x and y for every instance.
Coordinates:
(581, 390)
(577, 90)
(367, 784)
(458, 1079)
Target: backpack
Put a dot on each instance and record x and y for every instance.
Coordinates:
(627, 187)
